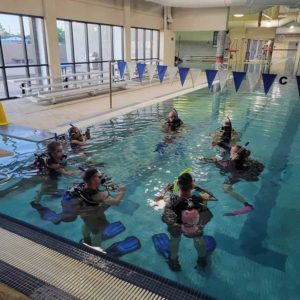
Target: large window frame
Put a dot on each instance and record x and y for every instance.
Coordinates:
(135, 31)
(73, 64)
(4, 68)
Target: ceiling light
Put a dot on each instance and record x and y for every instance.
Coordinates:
(238, 15)
(292, 27)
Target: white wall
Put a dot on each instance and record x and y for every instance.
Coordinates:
(199, 19)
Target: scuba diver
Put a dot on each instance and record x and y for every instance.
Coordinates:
(238, 167)
(94, 220)
(226, 136)
(185, 213)
(53, 163)
(171, 127)
(173, 123)
(78, 138)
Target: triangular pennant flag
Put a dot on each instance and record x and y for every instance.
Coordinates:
(182, 74)
(210, 76)
(141, 70)
(253, 79)
(298, 83)
(151, 71)
(172, 72)
(161, 70)
(238, 78)
(223, 76)
(121, 67)
(268, 80)
(195, 73)
(131, 67)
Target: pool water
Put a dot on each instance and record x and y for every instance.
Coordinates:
(257, 254)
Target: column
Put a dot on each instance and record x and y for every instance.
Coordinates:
(49, 7)
(127, 31)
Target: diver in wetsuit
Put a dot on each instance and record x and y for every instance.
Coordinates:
(173, 123)
(238, 167)
(78, 138)
(186, 214)
(93, 217)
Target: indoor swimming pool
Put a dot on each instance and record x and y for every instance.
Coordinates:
(257, 254)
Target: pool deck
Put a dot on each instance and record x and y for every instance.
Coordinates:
(89, 111)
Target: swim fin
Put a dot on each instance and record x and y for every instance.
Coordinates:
(46, 213)
(130, 244)
(161, 243)
(112, 230)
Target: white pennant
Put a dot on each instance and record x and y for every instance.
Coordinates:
(195, 75)
(223, 76)
(253, 79)
(151, 71)
(172, 72)
(131, 67)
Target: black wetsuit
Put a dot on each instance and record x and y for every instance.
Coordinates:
(51, 161)
(175, 125)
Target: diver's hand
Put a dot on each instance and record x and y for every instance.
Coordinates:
(206, 196)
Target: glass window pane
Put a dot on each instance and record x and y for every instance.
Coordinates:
(2, 91)
(81, 68)
(148, 44)
(39, 72)
(140, 44)
(79, 38)
(133, 43)
(95, 67)
(14, 88)
(67, 69)
(34, 38)
(106, 42)
(94, 42)
(155, 39)
(118, 43)
(12, 40)
(64, 41)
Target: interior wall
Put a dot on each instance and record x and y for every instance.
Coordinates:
(199, 19)
(195, 44)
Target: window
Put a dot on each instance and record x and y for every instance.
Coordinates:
(22, 52)
(144, 44)
(87, 47)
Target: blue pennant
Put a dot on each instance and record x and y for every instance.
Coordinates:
(210, 75)
(298, 83)
(161, 70)
(141, 70)
(238, 78)
(182, 74)
(121, 67)
(268, 80)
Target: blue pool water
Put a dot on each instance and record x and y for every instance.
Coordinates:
(257, 255)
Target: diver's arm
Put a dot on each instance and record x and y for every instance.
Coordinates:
(169, 216)
(76, 142)
(58, 168)
(109, 200)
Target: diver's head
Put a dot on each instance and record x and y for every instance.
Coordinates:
(93, 177)
(172, 116)
(185, 182)
(239, 153)
(55, 149)
(74, 132)
(227, 125)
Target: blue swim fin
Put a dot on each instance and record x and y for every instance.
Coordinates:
(46, 213)
(130, 244)
(112, 230)
(161, 243)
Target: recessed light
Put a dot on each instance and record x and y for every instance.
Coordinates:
(238, 15)
(292, 26)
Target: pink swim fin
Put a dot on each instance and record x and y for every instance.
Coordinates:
(247, 208)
